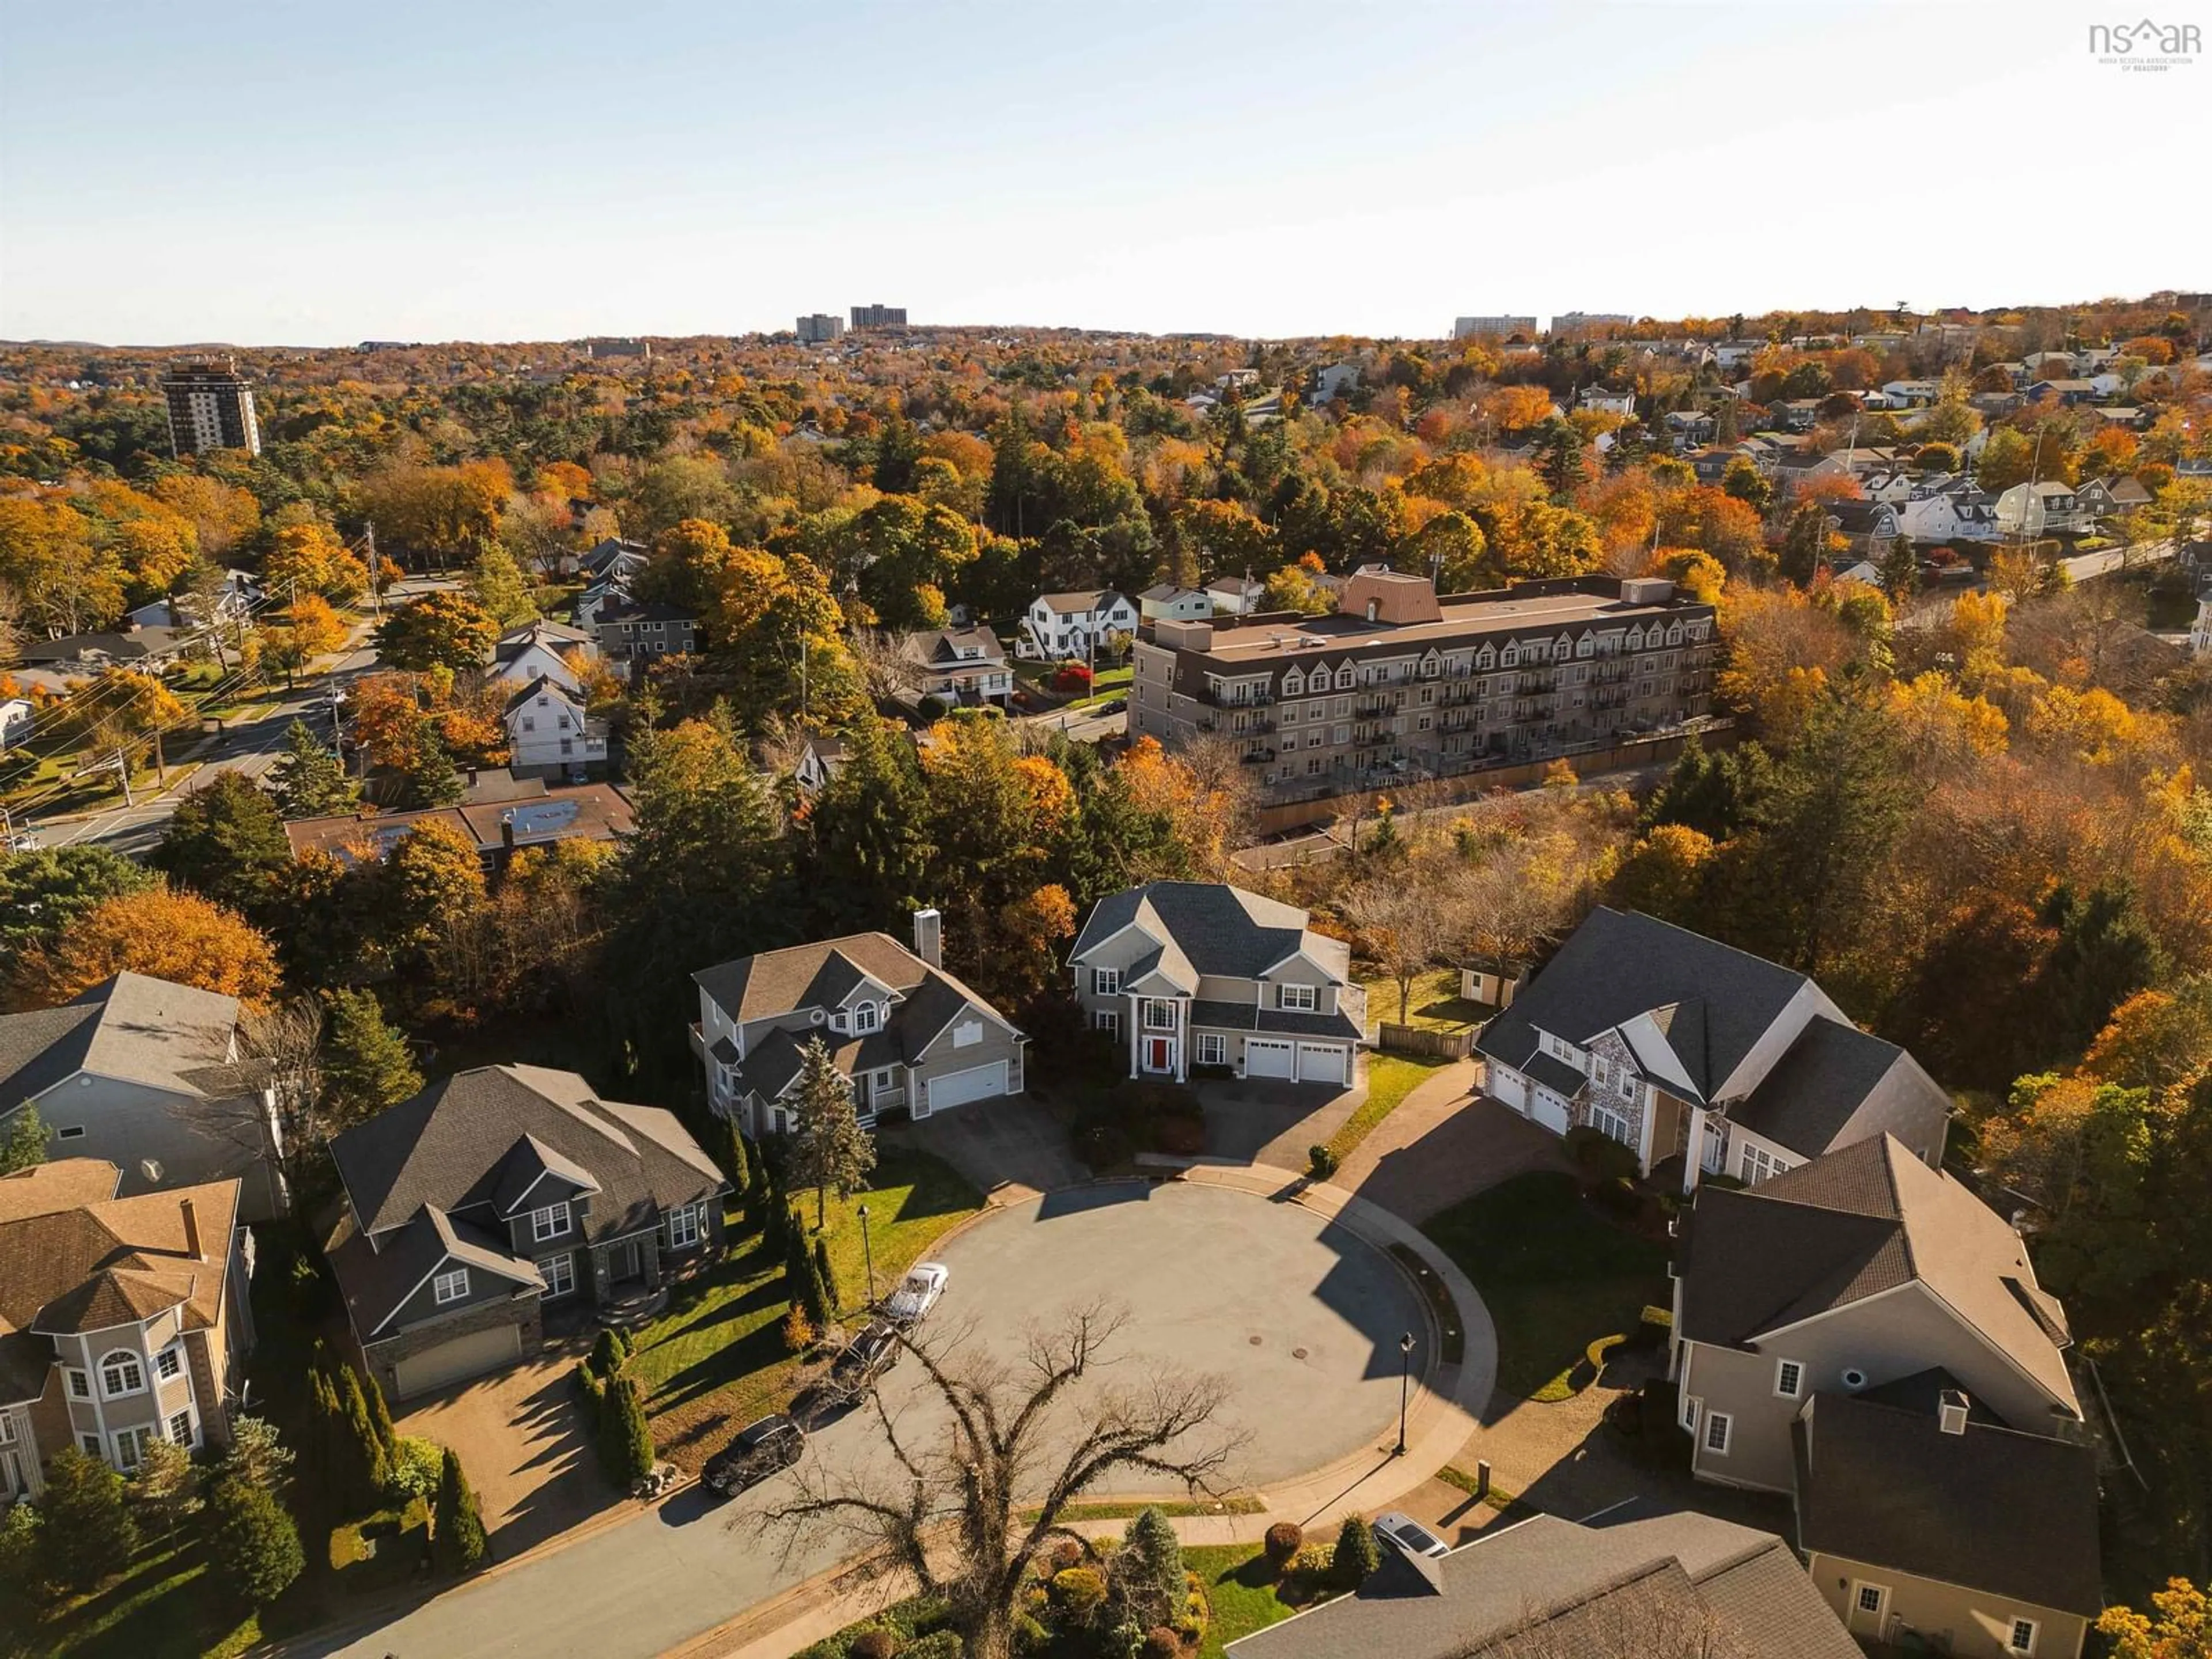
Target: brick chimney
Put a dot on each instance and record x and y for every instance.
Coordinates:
(1951, 1409)
(191, 1231)
(929, 937)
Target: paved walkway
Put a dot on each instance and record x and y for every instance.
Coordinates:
(1275, 1123)
(1445, 1143)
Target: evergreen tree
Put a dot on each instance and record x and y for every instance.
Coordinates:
(42, 892)
(457, 1529)
(871, 850)
(25, 1148)
(367, 1066)
(1152, 1568)
(310, 781)
(87, 1534)
(1356, 1554)
(256, 1456)
(432, 778)
(496, 583)
(2104, 953)
(359, 1460)
(801, 1283)
(1805, 543)
(830, 1149)
(256, 1546)
(625, 1439)
(380, 1419)
(825, 1275)
(226, 842)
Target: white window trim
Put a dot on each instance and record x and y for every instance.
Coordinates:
(1164, 1004)
(686, 1226)
(2011, 1634)
(568, 1262)
(556, 1214)
(1213, 1048)
(1603, 1118)
(1726, 1424)
(1107, 1020)
(172, 1355)
(1880, 1607)
(80, 1383)
(191, 1437)
(867, 1017)
(136, 1436)
(1106, 981)
(1797, 1392)
(136, 1361)
(440, 1295)
(1297, 999)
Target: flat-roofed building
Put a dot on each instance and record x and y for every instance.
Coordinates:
(1398, 684)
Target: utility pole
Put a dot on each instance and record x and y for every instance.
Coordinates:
(375, 599)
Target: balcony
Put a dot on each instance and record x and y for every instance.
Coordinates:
(1241, 699)
(1372, 705)
(1255, 757)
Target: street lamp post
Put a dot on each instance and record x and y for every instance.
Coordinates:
(868, 1254)
(1405, 1382)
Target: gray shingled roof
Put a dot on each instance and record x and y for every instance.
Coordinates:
(1216, 929)
(1852, 1224)
(1834, 1074)
(2008, 1514)
(1618, 964)
(132, 1028)
(1249, 1016)
(1675, 1586)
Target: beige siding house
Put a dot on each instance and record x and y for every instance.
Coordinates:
(907, 1035)
(1199, 974)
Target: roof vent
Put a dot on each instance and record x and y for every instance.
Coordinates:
(1951, 1409)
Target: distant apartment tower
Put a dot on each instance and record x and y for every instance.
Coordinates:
(820, 327)
(1567, 322)
(210, 407)
(878, 316)
(1464, 326)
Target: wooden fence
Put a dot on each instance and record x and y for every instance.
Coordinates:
(1420, 1040)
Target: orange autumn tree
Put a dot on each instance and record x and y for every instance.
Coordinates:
(164, 933)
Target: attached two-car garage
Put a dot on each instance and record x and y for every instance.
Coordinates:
(468, 1355)
(1303, 1062)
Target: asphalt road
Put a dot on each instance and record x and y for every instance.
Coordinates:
(1310, 1345)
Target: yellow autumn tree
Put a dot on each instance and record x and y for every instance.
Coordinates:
(163, 933)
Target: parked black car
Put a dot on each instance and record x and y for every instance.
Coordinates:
(760, 1450)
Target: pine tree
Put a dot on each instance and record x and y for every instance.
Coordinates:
(832, 1297)
(310, 781)
(871, 850)
(457, 1529)
(366, 1065)
(625, 1439)
(738, 1164)
(1356, 1554)
(363, 1454)
(25, 1146)
(802, 1284)
(226, 843)
(432, 779)
(87, 1534)
(257, 1544)
(380, 1417)
(1152, 1566)
(830, 1149)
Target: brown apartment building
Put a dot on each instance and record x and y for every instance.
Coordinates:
(1398, 684)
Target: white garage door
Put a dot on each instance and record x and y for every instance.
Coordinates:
(1321, 1062)
(959, 1088)
(1510, 1086)
(1266, 1059)
(449, 1361)
(1548, 1110)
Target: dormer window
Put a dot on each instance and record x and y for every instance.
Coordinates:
(1298, 998)
(548, 1222)
(867, 1016)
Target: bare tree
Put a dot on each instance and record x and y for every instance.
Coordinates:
(887, 668)
(267, 1103)
(965, 1515)
(1408, 920)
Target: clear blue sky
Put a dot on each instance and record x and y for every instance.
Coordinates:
(320, 172)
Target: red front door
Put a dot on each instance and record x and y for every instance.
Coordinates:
(1159, 1054)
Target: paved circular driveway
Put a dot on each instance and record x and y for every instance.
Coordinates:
(1302, 1316)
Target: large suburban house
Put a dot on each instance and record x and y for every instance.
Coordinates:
(497, 828)
(1059, 625)
(629, 629)
(1192, 974)
(494, 1192)
(1679, 1586)
(1397, 683)
(2042, 509)
(550, 735)
(959, 665)
(1678, 1046)
(543, 648)
(1865, 1313)
(1166, 601)
(2102, 498)
(149, 1076)
(1948, 510)
(122, 1319)
(907, 1035)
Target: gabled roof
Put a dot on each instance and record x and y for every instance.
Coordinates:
(1212, 928)
(1681, 1586)
(2008, 1514)
(543, 685)
(1833, 1074)
(1855, 1222)
(1097, 598)
(940, 647)
(1714, 1003)
(130, 1027)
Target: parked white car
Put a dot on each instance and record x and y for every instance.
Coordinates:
(917, 1294)
(1402, 1532)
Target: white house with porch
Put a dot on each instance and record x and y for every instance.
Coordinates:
(1679, 1047)
(1200, 974)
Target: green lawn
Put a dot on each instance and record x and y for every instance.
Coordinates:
(1390, 1078)
(1554, 1272)
(716, 1359)
(1240, 1587)
(1434, 1006)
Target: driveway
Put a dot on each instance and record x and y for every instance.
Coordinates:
(1445, 1143)
(1010, 1148)
(1266, 1121)
(523, 1443)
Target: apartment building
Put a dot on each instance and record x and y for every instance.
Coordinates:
(819, 328)
(210, 407)
(1466, 327)
(878, 316)
(1398, 684)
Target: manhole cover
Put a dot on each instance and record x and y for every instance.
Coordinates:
(1254, 1340)
(1297, 1353)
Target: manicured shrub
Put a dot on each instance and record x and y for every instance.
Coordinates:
(1150, 1567)
(625, 1441)
(1161, 1643)
(799, 1331)
(940, 1644)
(257, 1546)
(87, 1534)
(1599, 1155)
(457, 1544)
(930, 709)
(609, 1353)
(1078, 1592)
(1321, 1163)
(827, 1273)
(1357, 1553)
(20, 1566)
(591, 1386)
(1281, 1543)
(1102, 1145)
(1619, 1196)
(873, 1645)
(417, 1464)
